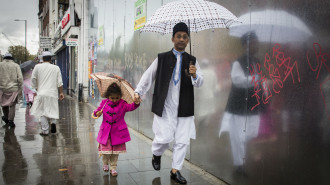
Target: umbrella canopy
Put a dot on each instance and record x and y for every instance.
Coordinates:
(26, 66)
(103, 80)
(271, 26)
(197, 14)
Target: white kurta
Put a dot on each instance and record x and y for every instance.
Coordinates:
(241, 128)
(170, 126)
(46, 79)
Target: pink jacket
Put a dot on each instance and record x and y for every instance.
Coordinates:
(113, 123)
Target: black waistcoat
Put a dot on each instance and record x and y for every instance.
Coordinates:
(241, 100)
(165, 69)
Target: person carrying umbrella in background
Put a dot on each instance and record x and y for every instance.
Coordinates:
(47, 80)
(10, 87)
(241, 119)
(27, 68)
(175, 74)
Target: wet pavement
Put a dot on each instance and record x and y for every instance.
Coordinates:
(70, 156)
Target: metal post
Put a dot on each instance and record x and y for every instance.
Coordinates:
(25, 41)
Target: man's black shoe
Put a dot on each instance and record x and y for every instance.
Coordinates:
(5, 120)
(11, 123)
(53, 128)
(178, 177)
(156, 162)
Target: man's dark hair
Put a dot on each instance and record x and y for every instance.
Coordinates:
(47, 58)
(113, 89)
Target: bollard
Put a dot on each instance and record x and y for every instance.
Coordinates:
(80, 93)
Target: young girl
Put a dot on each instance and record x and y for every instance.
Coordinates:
(113, 131)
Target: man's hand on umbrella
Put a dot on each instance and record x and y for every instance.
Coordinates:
(61, 96)
(192, 70)
(137, 98)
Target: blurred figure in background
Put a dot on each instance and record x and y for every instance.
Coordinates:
(27, 88)
(10, 87)
(241, 119)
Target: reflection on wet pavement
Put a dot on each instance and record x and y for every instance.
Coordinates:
(70, 156)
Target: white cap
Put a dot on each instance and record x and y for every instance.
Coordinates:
(46, 53)
(7, 55)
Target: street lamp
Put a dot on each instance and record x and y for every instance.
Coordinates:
(25, 36)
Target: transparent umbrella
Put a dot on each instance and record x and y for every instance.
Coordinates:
(271, 26)
(26, 66)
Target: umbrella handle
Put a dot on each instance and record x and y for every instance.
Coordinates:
(96, 117)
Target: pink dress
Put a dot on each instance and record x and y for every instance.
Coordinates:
(108, 149)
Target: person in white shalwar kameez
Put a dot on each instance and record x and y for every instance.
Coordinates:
(47, 80)
(170, 121)
(242, 117)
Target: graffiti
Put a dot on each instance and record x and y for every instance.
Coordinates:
(321, 59)
(280, 68)
(260, 83)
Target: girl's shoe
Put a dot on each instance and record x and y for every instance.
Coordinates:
(113, 173)
(105, 168)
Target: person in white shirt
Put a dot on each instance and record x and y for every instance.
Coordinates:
(47, 80)
(175, 73)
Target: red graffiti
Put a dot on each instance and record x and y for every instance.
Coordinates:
(321, 59)
(273, 74)
(260, 82)
(283, 69)
(285, 62)
(278, 71)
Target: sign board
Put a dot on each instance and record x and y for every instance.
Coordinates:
(140, 14)
(66, 22)
(45, 42)
(101, 35)
(71, 42)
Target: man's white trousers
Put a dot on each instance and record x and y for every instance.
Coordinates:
(44, 122)
(179, 152)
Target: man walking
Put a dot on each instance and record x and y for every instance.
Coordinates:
(11, 81)
(175, 74)
(47, 80)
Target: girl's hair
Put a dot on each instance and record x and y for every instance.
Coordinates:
(113, 89)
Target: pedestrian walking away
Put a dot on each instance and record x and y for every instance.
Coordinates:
(27, 89)
(47, 80)
(175, 74)
(113, 133)
(11, 82)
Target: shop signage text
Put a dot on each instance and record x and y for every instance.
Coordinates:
(65, 20)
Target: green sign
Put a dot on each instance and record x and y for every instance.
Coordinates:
(140, 14)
